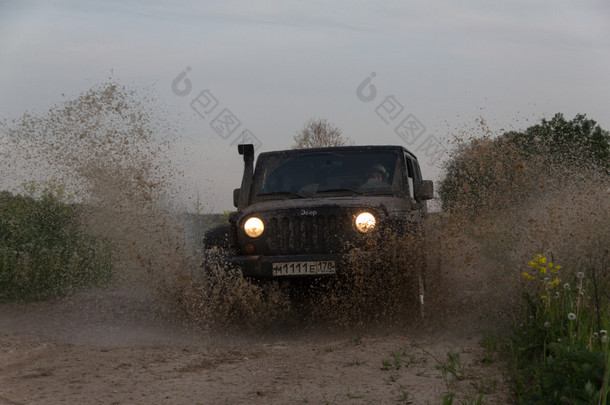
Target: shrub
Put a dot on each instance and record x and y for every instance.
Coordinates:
(45, 250)
(497, 173)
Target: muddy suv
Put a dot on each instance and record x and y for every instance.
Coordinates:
(299, 211)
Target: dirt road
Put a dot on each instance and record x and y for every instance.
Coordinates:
(113, 348)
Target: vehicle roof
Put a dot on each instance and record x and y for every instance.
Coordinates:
(338, 149)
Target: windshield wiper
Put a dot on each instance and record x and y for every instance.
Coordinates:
(341, 189)
(282, 192)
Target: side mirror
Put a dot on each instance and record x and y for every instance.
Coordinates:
(236, 197)
(423, 190)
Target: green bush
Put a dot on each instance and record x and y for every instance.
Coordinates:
(45, 250)
(497, 173)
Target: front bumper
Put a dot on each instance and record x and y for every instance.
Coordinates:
(262, 266)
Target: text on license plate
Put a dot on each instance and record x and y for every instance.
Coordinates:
(303, 268)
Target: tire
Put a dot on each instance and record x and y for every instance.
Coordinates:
(218, 243)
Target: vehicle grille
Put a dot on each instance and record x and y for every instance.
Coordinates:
(296, 234)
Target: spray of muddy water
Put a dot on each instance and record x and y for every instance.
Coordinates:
(110, 154)
(111, 150)
(511, 206)
(110, 147)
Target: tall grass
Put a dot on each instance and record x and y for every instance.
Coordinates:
(559, 350)
(45, 249)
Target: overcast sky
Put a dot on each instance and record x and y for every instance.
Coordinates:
(433, 69)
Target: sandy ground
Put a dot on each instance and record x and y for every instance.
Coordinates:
(111, 347)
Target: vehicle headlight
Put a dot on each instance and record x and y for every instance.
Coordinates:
(254, 227)
(365, 222)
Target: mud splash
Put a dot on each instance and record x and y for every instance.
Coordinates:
(110, 153)
(506, 207)
(110, 147)
(222, 299)
(382, 286)
(380, 289)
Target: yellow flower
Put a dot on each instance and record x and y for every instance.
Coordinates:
(527, 276)
(543, 297)
(554, 282)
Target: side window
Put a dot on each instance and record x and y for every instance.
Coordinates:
(410, 174)
(417, 170)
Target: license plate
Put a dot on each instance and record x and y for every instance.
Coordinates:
(303, 268)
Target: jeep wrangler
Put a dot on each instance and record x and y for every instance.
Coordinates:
(299, 211)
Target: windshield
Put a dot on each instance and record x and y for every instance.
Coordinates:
(310, 174)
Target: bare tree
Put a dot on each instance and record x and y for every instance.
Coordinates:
(318, 133)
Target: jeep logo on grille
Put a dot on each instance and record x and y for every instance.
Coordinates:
(308, 212)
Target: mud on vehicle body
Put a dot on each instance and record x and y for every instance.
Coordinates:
(300, 211)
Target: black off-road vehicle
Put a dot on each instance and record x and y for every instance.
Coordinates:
(299, 211)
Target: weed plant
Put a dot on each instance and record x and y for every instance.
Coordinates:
(559, 350)
(45, 250)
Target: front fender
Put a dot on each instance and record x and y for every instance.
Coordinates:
(404, 226)
(221, 236)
